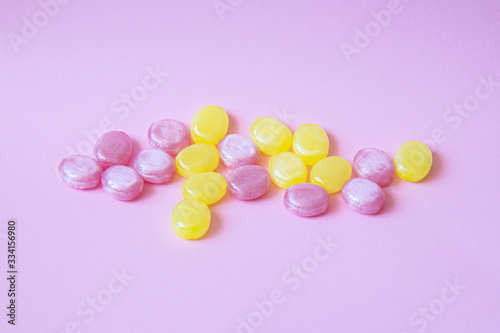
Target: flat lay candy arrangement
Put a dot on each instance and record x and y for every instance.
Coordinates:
(173, 152)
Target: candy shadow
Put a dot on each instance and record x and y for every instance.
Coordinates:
(436, 169)
(215, 225)
(333, 145)
(233, 124)
(389, 204)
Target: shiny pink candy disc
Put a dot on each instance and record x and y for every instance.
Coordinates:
(81, 172)
(306, 199)
(248, 182)
(236, 150)
(113, 148)
(169, 135)
(154, 165)
(375, 165)
(363, 195)
(122, 182)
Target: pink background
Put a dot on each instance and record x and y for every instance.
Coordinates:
(264, 58)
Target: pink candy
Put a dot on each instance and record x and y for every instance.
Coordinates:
(306, 199)
(113, 148)
(154, 165)
(237, 150)
(122, 182)
(169, 135)
(363, 195)
(375, 165)
(81, 172)
(248, 182)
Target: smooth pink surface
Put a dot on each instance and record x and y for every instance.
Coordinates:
(282, 59)
(363, 195)
(236, 150)
(81, 172)
(248, 182)
(306, 199)
(114, 147)
(169, 135)
(375, 165)
(154, 165)
(122, 182)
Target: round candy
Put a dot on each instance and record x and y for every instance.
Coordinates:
(287, 169)
(310, 143)
(113, 148)
(122, 182)
(375, 165)
(306, 199)
(190, 219)
(209, 125)
(331, 173)
(168, 135)
(363, 195)
(154, 165)
(197, 158)
(413, 161)
(271, 135)
(236, 150)
(207, 187)
(81, 172)
(248, 182)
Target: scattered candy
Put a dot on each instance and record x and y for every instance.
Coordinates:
(413, 161)
(81, 172)
(154, 165)
(237, 150)
(331, 173)
(310, 142)
(271, 135)
(197, 158)
(306, 199)
(190, 219)
(113, 148)
(375, 165)
(248, 182)
(287, 169)
(122, 182)
(209, 125)
(363, 195)
(169, 135)
(207, 187)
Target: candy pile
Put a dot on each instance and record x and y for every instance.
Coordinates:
(197, 162)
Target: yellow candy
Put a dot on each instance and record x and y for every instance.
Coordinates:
(207, 187)
(310, 143)
(413, 161)
(331, 173)
(209, 125)
(287, 169)
(197, 158)
(190, 219)
(271, 135)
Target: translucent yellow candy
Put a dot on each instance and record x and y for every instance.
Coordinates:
(271, 135)
(209, 125)
(331, 173)
(413, 161)
(207, 187)
(287, 169)
(310, 143)
(190, 219)
(197, 158)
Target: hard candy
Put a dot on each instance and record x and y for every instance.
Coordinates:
(306, 199)
(169, 135)
(237, 150)
(287, 169)
(331, 173)
(209, 125)
(310, 142)
(271, 135)
(207, 187)
(154, 165)
(413, 161)
(122, 182)
(375, 165)
(190, 219)
(113, 148)
(80, 172)
(248, 182)
(363, 195)
(197, 158)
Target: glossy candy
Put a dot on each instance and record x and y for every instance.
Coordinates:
(413, 161)
(310, 142)
(154, 165)
(271, 135)
(81, 172)
(207, 187)
(375, 165)
(237, 150)
(197, 158)
(209, 125)
(169, 135)
(122, 182)
(363, 195)
(331, 173)
(306, 199)
(287, 169)
(248, 182)
(113, 148)
(190, 219)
